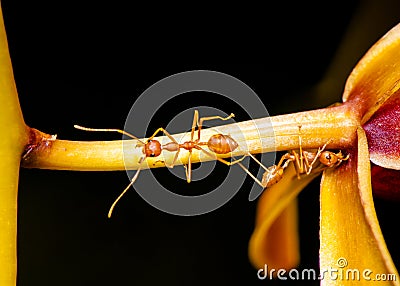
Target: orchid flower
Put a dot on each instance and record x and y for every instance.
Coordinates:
(350, 235)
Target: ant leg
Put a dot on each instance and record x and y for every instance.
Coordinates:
(286, 157)
(188, 168)
(297, 165)
(345, 158)
(320, 150)
(251, 175)
(165, 132)
(108, 130)
(173, 161)
(301, 164)
(307, 165)
(258, 162)
(166, 164)
(222, 160)
(195, 121)
(200, 123)
(123, 192)
(231, 163)
(284, 166)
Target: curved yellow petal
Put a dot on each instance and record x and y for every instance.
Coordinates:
(376, 76)
(351, 239)
(274, 241)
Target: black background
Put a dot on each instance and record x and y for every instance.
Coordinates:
(78, 62)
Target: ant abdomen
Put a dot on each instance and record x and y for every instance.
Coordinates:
(221, 144)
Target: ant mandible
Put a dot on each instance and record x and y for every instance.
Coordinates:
(303, 163)
(218, 143)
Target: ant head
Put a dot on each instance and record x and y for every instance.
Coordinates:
(328, 158)
(152, 148)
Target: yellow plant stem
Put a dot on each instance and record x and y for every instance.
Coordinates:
(13, 139)
(336, 125)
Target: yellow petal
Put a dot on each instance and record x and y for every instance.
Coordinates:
(274, 241)
(376, 76)
(350, 231)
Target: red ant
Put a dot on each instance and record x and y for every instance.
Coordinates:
(303, 163)
(218, 143)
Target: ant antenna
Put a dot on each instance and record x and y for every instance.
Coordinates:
(108, 130)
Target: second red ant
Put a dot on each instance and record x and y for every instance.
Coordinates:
(304, 162)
